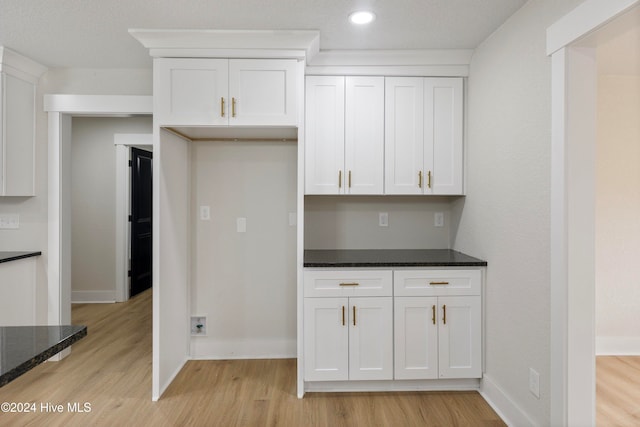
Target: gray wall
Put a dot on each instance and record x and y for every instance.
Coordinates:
(93, 218)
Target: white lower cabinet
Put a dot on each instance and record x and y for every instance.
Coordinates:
(348, 339)
(437, 337)
(405, 324)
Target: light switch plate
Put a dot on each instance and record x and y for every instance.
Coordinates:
(293, 219)
(438, 219)
(383, 219)
(205, 213)
(241, 225)
(9, 221)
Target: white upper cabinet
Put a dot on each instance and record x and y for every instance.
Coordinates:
(423, 136)
(324, 134)
(221, 92)
(19, 77)
(344, 135)
(364, 135)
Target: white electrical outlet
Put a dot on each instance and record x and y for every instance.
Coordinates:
(241, 225)
(9, 221)
(438, 219)
(198, 325)
(293, 219)
(534, 382)
(383, 219)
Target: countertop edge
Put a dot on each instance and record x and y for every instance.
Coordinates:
(21, 369)
(395, 264)
(20, 255)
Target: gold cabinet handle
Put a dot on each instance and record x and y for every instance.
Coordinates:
(339, 179)
(429, 179)
(444, 314)
(350, 284)
(433, 314)
(354, 315)
(343, 315)
(233, 107)
(349, 179)
(420, 179)
(221, 107)
(438, 283)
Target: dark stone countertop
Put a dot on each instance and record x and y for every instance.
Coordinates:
(24, 347)
(6, 256)
(389, 258)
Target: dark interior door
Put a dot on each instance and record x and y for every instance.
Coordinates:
(141, 220)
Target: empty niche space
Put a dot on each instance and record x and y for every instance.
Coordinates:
(244, 255)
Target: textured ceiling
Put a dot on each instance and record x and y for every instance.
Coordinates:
(93, 33)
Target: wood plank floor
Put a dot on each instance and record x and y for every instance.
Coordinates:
(617, 391)
(111, 370)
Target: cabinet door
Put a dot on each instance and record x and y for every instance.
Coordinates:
(263, 92)
(364, 135)
(443, 108)
(370, 338)
(324, 135)
(416, 338)
(404, 150)
(17, 137)
(459, 337)
(326, 339)
(191, 91)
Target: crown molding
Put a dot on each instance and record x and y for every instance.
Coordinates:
(190, 43)
(11, 62)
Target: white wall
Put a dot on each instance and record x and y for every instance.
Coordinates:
(93, 188)
(351, 222)
(506, 215)
(245, 283)
(617, 215)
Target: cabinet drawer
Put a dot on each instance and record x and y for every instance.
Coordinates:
(344, 283)
(437, 282)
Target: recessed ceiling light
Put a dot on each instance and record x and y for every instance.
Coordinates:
(362, 17)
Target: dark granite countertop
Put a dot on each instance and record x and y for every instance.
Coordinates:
(24, 347)
(389, 258)
(14, 255)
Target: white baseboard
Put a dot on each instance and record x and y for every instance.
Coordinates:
(504, 406)
(205, 348)
(93, 297)
(617, 346)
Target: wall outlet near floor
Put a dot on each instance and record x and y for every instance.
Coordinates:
(9, 221)
(198, 325)
(534, 382)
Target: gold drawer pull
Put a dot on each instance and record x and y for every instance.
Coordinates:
(350, 284)
(354, 315)
(444, 314)
(433, 314)
(233, 107)
(343, 315)
(438, 283)
(221, 107)
(419, 179)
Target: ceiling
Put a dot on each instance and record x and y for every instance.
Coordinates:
(93, 33)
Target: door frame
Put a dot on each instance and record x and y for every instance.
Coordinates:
(123, 143)
(61, 109)
(573, 97)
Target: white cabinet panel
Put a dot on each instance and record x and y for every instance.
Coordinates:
(344, 135)
(221, 92)
(370, 338)
(459, 337)
(364, 135)
(192, 92)
(343, 283)
(263, 92)
(423, 135)
(18, 292)
(404, 145)
(326, 339)
(416, 337)
(437, 282)
(437, 337)
(324, 135)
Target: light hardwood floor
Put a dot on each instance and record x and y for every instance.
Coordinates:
(617, 391)
(111, 370)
